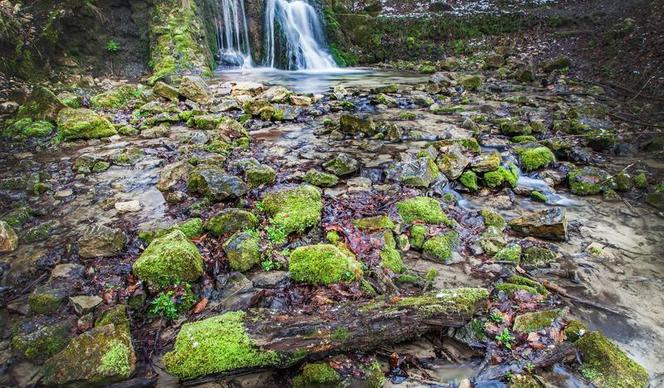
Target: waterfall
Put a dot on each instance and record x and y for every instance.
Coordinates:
(295, 27)
(233, 34)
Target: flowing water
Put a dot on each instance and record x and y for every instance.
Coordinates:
(233, 35)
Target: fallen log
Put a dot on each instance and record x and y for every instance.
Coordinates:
(241, 341)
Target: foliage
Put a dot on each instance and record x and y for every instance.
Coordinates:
(112, 46)
(505, 338)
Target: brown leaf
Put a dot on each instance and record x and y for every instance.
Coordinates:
(201, 305)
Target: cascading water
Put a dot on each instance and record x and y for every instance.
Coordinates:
(233, 35)
(295, 28)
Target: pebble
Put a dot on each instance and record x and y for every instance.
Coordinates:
(128, 207)
(64, 193)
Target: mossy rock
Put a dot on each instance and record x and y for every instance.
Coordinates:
(469, 180)
(422, 209)
(46, 300)
(374, 223)
(323, 264)
(208, 122)
(191, 228)
(538, 256)
(260, 175)
(524, 281)
(81, 123)
(321, 179)
(216, 345)
(98, 357)
(535, 158)
(40, 338)
(230, 221)
(535, 321)
(169, 260)
(38, 129)
(605, 365)
(440, 248)
(574, 330)
(515, 128)
(457, 300)
(588, 181)
(500, 176)
(319, 374)
(418, 235)
(357, 125)
(41, 105)
(118, 97)
(243, 250)
(486, 162)
(471, 82)
(656, 199)
(510, 253)
(491, 218)
(294, 209)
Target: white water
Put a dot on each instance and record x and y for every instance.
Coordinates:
(303, 35)
(233, 35)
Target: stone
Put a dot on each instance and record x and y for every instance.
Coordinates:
(195, 89)
(588, 181)
(100, 241)
(276, 94)
(247, 88)
(40, 337)
(471, 82)
(300, 100)
(117, 98)
(486, 162)
(84, 304)
(169, 260)
(8, 238)
(83, 123)
(342, 165)
(166, 91)
(230, 221)
(215, 184)
(41, 105)
(422, 99)
(421, 172)
(243, 250)
(323, 264)
(293, 209)
(452, 162)
(357, 124)
(548, 224)
(128, 206)
(320, 179)
(655, 199)
(173, 173)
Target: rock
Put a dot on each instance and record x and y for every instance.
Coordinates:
(128, 206)
(452, 162)
(323, 264)
(421, 172)
(588, 181)
(41, 105)
(469, 180)
(100, 241)
(195, 89)
(386, 100)
(230, 221)
(548, 224)
(166, 91)
(128, 156)
(82, 123)
(656, 199)
(243, 250)
(486, 162)
(494, 61)
(374, 223)
(88, 163)
(47, 298)
(320, 179)
(293, 209)
(276, 94)
(559, 63)
(441, 248)
(247, 88)
(422, 99)
(300, 100)
(535, 158)
(191, 228)
(8, 108)
(155, 132)
(117, 97)
(169, 260)
(354, 125)
(8, 238)
(84, 304)
(471, 82)
(40, 337)
(100, 356)
(173, 173)
(341, 165)
(422, 209)
(260, 175)
(215, 184)
(319, 374)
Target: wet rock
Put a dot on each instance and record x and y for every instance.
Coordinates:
(243, 250)
(441, 248)
(173, 173)
(129, 156)
(215, 184)
(155, 132)
(588, 180)
(84, 304)
(41, 105)
(656, 199)
(548, 224)
(247, 88)
(128, 206)
(118, 97)
(269, 279)
(166, 91)
(101, 241)
(40, 232)
(342, 165)
(421, 172)
(357, 124)
(230, 221)
(486, 162)
(323, 264)
(452, 162)
(41, 337)
(422, 99)
(82, 123)
(8, 108)
(47, 298)
(168, 260)
(195, 89)
(276, 94)
(300, 100)
(8, 238)
(386, 100)
(89, 163)
(320, 179)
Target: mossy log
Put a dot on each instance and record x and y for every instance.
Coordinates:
(275, 339)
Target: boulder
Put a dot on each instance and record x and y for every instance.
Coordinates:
(421, 172)
(100, 241)
(40, 337)
(243, 250)
(117, 98)
(549, 224)
(8, 238)
(341, 165)
(84, 304)
(323, 264)
(588, 180)
(452, 162)
(173, 173)
(486, 162)
(320, 179)
(166, 91)
(47, 298)
(293, 209)
(41, 105)
(83, 123)
(230, 221)
(300, 100)
(215, 184)
(357, 124)
(195, 89)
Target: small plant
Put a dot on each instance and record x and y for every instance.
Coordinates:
(276, 234)
(596, 251)
(112, 46)
(530, 368)
(164, 306)
(269, 265)
(509, 376)
(496, 317)
(505, 338)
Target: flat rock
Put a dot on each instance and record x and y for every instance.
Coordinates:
(128, 206)
(548, 224)
(84, 304)
(101, 241)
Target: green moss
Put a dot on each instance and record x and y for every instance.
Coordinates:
(323, 264)
(516, 279)
(515, 127)
(608, 366)
(501, 175)
(391, 258)
(260, 175)
(231, 221)
(524, 139)
(321, 179)
(215, 345)
(574, 330)
(510, 288)
(18, 216)
(294, 210)
(374, 223)
(191, 228)
(38, 129)
(44, 302)
(319, 374)
(509, 253)
(332, 237)
(623, 181)
(116, 316)
(440, 248)
(459, 300)
(76, 124)
(537, 256)
(169, 260)
(207, 122)
(537, 196)
(117, 98)
(374, 376)
(418, 235)
(116, 360)
(471, 82)
(492, 218)
(469, 180)
(422, 209)
(640, 180)
(43, 342)
(535, 158)
(243, 250)
(587, 181)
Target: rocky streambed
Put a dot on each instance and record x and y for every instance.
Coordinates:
(466, 228)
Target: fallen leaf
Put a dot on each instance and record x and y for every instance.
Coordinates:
(201, 305)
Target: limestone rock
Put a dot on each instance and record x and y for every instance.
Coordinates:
(165, 90)
(84, 304)
(101, 241)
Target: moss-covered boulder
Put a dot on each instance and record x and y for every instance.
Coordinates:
(215, 345)
(452, 162)
(243, 250)
(42, 104)
(441, 248)
(215, 184)
(605, 365)
(98, 357)
(191, 228)
(535, 158)
(421, 172)
(469, 180)
(320, 179)
(418, 236)
(118, 97)
(230, 221)
(511, 253)
(82, 123)
(355, 125)
(195, 89)
(500, 176)
(41, 337)
(390, 257)
(8, 238)
(342, 165)
(374, 223)
(486, 162)
(323, 264)
(318, 374)
(491, 218)
(471, 82)
(100, 241)
(535, 321)
(588, 180)
(260, 175)
(293, 210)
(422, 209)
(169, 260)
(166, 91)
